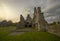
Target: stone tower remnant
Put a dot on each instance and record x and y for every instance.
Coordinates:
(21, 23)
(28, 21)
(38, 20)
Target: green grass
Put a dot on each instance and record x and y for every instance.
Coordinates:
(28, 36)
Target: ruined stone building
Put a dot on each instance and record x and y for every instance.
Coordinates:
(38, 22)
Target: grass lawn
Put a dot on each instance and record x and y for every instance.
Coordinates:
(28, 36)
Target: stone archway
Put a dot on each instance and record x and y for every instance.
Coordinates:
(28, 24)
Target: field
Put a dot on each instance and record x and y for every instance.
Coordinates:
(27, 36)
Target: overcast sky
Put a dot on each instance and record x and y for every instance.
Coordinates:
(11, 9)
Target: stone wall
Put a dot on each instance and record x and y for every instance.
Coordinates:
(55, 29)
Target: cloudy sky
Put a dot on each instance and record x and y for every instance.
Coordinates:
(12, 9)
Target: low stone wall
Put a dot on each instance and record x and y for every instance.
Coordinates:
(55, 29)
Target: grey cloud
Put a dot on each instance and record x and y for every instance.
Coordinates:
(52, 9)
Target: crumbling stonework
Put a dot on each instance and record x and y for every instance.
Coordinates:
(38, 22)
(21, 23)
(28, 21)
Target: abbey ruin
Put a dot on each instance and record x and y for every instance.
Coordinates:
(38, 22)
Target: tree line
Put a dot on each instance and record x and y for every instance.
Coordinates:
(5, 23)
(55, 23)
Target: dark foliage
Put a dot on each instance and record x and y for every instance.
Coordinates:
(5, 23)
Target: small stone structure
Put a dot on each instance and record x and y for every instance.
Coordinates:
(38, 22)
